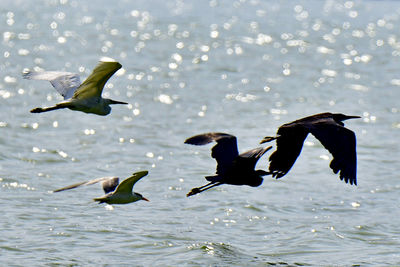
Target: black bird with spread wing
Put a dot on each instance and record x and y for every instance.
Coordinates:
(329, 129)
(232, 168)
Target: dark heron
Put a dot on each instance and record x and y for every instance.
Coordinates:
(329, 129)
(232, 168)
(116, 193)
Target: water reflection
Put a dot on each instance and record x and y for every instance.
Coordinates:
(194, 66)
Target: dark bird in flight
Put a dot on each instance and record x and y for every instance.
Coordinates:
(232, 168)
(329, 129)
(116, 193)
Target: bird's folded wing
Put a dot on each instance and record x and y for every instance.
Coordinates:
(126, 185)
(110, 184)
(65, 83)
(341, 143)
(94, 84)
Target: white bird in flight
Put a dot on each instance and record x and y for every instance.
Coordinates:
(84, 97)
(115, 193)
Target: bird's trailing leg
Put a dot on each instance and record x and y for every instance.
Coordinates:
(40, 110)
(200, 189)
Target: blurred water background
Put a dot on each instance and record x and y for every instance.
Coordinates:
(243, 67)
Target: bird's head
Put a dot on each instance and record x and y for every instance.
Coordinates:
(140, 197)
(339, 117)
(106, 109)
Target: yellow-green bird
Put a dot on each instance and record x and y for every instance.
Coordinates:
(84, 97)
(116, 193)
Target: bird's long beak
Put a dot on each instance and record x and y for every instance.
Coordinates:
(112, 102)
(145, 199)
(352, 117)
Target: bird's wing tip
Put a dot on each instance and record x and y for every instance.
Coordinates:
(267, 149)
(26, 73)
(191, 141)
(268, 139)
(206, 138)
(107, 59)
(141, 173)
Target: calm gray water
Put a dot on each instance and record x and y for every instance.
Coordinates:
(242, 67)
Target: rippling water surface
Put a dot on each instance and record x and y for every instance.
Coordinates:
(243, 67)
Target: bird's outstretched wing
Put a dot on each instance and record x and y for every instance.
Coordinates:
(126, 185)
(94, 84)
(341, 143)
(206, 138)
(224, 152)
(109, 184)
(65, 83)
(289, 144)
(250, 158)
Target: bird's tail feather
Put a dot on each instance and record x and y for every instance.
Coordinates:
(99, 199)
(215, 178)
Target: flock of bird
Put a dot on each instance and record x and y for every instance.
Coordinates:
(232, 168)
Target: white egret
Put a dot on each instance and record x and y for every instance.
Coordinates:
(84, 97)
(115, 193)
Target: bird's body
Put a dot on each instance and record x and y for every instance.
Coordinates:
(116, 193)
(232, 168)
(329, 129)
(119, 198)
(85, 97)
(99, 106)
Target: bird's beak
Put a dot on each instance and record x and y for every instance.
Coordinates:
(112, 102)
(145, 199)
(352, 117)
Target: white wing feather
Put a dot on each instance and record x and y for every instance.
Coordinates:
(108, 183)
(65, 83)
